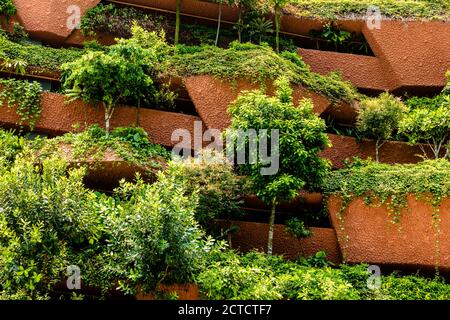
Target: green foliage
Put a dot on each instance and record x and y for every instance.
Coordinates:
(113, 20)
(10, 146)
(219, 190)
(390, 184)
(318, 260)
(296, 136)
(332, 37)
(154, 237)
(297, 228)
(7, 8)
(108, 79)
(131, 144)
(110, 19)
(435, 102)
(18, 33)
(379, 118)
(37, 55)
(255, 276)
(301, 138)
(24, 96)
(331, 33)
(429, 125)
(45, 217)
(415, 288)
(257, 64)
(396, 9)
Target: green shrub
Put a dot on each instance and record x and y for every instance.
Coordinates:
(414, 288)
(7, 8)
(45, 219)
(228, 275)
(10, 145)
(297, 228)
(153, 236)
(379, 118)
(219, 190)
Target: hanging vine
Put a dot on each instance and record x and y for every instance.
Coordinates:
(25, 97)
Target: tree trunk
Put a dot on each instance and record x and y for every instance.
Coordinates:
(177, 22)
(239, 25)
(377, 150)
(108, 115)
(271, 226)
(138, 113)
(218, 24)
(277, 28)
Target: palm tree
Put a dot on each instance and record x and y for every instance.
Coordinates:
(177, 22)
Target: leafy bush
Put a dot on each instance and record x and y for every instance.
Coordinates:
(379, 118)
(10, 146)
(45, 219)
(220, 191)
(390, 184)
(153, 236)
(297, 228)
(7, 8)
(24, 96)
(257, 64)
(430, 126)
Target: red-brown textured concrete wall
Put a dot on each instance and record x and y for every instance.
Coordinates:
(417, 53)
(410, 56)
(212, 97)
(58, 117)
(391, 152)
(362, 71)
(48, 19)
(367, 234)
(253, 236)
(189, 7)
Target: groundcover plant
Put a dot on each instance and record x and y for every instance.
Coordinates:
(335, 116)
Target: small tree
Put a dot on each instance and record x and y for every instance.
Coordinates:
(430, 126)
(278, 6)
(107, 78)
(301, 137)
(379, 117)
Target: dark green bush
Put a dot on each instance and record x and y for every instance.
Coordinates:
(220, 191)
(153, 236)
(46, 218)
(7, 8)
